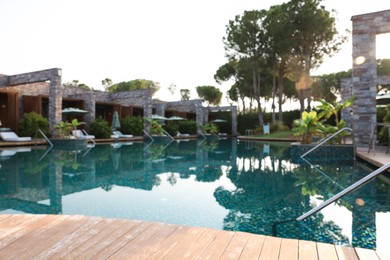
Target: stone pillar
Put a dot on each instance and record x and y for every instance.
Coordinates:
(160, 109)
(90, 106)
(55, 100)
(364, 84)
(346, 93)
(148, 110)
(234, 120)
(205, 115)
(199, 118)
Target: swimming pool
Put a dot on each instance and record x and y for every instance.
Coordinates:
(226, 184)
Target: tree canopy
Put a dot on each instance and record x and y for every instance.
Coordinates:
(134, 85)
(185, 94)
(75, 83)
(285, 42)
(210, 94)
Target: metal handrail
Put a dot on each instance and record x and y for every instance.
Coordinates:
(91, 139)
(327, 139)
(44, 136)
(346, 191)
(148, 135)
(165, 132)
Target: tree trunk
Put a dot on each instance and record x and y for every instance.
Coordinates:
(281, 91)
(273, 91)
(243, 105)
(301, 98)
(256, 92)
(308, 82)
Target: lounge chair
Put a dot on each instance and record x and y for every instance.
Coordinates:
(80, 135)
(266, 129)
(180, 134)
(120, 135)
(12, 137)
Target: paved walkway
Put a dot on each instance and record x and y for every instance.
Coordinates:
(378, 158)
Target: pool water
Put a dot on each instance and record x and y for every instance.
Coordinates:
(226, 184)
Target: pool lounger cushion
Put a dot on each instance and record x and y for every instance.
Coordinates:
(12, 137)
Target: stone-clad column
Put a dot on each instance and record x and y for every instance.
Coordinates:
(199, 118)
(148, 110)
(160, 109)
(90, 106)
(55, 100)
(346, 93)
(364, 84)
(205, 115)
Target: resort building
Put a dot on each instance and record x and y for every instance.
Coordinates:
(43, 93)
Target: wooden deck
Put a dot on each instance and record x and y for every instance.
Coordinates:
(80, 237)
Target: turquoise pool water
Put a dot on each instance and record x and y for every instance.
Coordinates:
(227, 184)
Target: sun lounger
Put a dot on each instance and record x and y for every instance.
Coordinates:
(120, 135)
(80, 135)
(12, 137)
(180, 134)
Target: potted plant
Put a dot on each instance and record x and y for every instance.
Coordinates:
(63, 138)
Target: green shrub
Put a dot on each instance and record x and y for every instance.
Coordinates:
(132, 125)
(278, 127)
(100, 129)
(211, 128)
(172, 127)
(156, 128)
(31, 122)
(187, 127)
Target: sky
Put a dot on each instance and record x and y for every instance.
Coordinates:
(171, 42)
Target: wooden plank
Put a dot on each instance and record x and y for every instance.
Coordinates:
(119, 229)
(153, 244)
(51, 236)
(346, 253)
(366, 254)
(96, 233)
(76, 239)
(170, 242)
(137, 243)
(4, 217)
(326, 251)
(307, 250)
(253, 247)
(218, 245)
(20, 227)
(15, 226)
(271, 248)
(80, 237)
(32, 233)
(185, 243)
(201, 244)
(132, 233)
(235, 247)
(288, 249)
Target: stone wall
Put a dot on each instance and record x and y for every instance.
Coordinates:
(365, 27)
(346, 93)
(23, 83)
(4, 79)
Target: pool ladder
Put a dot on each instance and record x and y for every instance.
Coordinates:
(329, 138)
(339, 195)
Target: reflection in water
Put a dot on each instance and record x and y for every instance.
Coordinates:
(227, 185)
